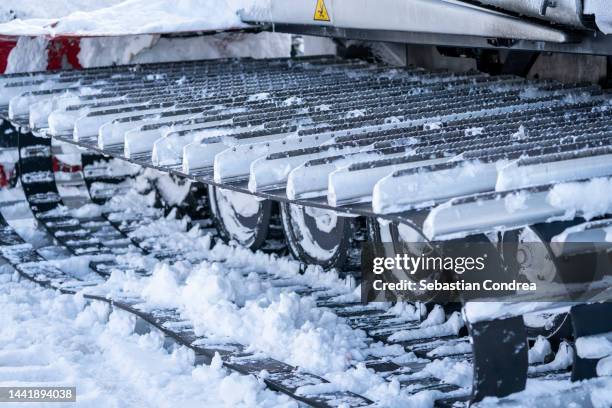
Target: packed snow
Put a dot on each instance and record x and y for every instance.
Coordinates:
(30, 54)
(128, 31)
(128, 17)
(153, 48)
(588, 199)
(429, 186)
(48, 339)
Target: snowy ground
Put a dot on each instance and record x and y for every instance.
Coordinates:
(48, 339)
(53, 339)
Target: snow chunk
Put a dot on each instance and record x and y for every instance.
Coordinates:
(520, 134)
(30, 54)
(594, 346)
(435, 317)
(563, 359)
(604, 367)
(449, 328)
(516, 202)
(451, 371)
(590, 199)
(540, 350)
(162, 288)
(95, 52)
(262, 96)
(89, 210)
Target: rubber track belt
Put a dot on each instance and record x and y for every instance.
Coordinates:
(280, 376)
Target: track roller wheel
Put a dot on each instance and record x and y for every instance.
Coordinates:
(186, 197)
(316, 236)
(392, 238)
(240, 217)
(529, 251)
(538, 263)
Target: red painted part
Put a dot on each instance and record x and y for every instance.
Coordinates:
(3, 178)
(59, 165)
(63, 53)
(6, 46)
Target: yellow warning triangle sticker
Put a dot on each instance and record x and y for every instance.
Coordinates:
(321, 13)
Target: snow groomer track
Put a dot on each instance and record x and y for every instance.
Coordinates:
(418, 155)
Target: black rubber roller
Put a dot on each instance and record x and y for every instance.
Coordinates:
(240, 217)
(316, 236)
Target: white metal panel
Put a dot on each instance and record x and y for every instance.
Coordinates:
(418, 16)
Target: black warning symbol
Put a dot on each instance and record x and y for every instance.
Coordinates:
(321, 13)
